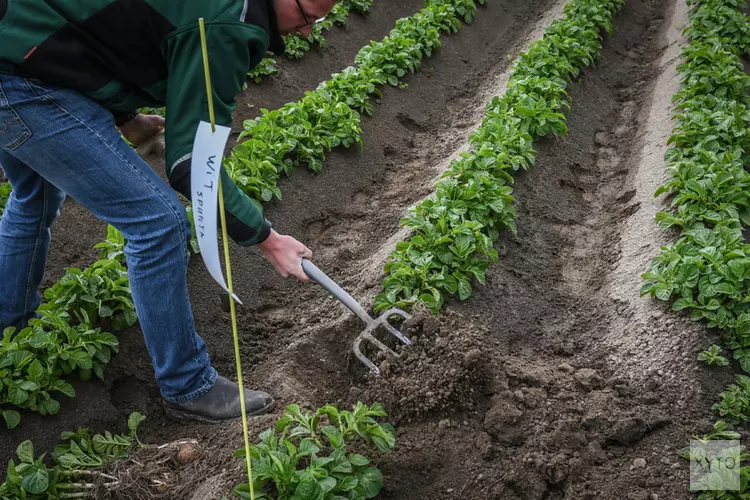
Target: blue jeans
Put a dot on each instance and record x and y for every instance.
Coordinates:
(56, 142)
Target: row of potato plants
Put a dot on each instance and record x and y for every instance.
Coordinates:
(706, 272)
(68, 336)
(327, 453)
(453, 232)
(302, 132)
(77, 469)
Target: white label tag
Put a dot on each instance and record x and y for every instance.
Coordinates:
(208, 151)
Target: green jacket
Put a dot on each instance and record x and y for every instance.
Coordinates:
(127, 54)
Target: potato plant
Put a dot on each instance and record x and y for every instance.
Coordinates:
(26, 378)
(720, 432)
(113, 247)
(96, 293)
(453, 232)
(712, 356)
(64, 338)
(310, 456)
(77, 464)
(34, 361)
(296, 45)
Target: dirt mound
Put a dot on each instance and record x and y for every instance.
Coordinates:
(445, 370)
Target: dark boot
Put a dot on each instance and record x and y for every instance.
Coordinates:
(220, 404)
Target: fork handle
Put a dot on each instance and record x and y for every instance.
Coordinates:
(323, 280)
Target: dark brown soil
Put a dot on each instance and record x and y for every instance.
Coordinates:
(548, 383)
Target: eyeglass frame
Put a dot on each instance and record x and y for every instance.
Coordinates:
(304, 15)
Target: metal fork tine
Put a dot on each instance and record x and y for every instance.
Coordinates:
(379, 344)
(320, 277)
(397, 333)
(358, 352)
(384, 321)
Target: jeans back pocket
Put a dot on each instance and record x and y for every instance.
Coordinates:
(13, 131)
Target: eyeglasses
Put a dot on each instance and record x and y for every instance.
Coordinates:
(307, 22)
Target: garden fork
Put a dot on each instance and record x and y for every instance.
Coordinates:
(370, 324)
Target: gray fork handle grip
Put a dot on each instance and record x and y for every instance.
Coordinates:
(320, 277)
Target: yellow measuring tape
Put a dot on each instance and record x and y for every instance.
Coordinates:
(225, 240)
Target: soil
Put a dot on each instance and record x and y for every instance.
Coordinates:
(556, 380)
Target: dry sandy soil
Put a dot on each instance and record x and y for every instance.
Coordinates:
(548, 383)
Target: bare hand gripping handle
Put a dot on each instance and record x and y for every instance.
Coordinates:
(323, 280)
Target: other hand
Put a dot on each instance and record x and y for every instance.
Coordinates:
(142, 128)
(285, 254)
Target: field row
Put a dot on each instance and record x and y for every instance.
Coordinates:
(454, 231)
(706, 272)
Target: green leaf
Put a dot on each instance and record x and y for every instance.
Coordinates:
(12, 418)
(105, 311)
(134, 420)
(348, 483)
(36, 371)
(342, 465)
(37, 482)
(331, 411)
(464, 289)
(16, 395)
(50, 406)
(681, 304)
(377, 410)
(82, 359)
(99, 370)
(383, 437)
(334, 436)
(25, 452)
(131, 318)
(663, 294)
(64, 388)
(358, 460)
(308, 489)
(13, 476)
(371, 481)
(307, 446)
(27, 385)
(327, 484)
(745, 363)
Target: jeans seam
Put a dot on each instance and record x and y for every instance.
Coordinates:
(26, 132)
(42, 219)
(30, 87)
